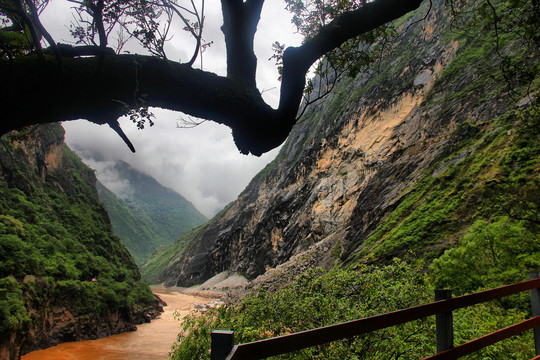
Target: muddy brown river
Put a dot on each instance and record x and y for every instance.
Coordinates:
(151, 341)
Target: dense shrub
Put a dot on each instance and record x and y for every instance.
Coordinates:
(13, 314)
(318, 298)
(489, 255)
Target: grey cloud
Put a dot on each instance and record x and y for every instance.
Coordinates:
(201, 164)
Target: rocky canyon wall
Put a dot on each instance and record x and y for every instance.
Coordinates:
(351, 159)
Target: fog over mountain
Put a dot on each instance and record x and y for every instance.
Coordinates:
(202, 163)
(143, 213)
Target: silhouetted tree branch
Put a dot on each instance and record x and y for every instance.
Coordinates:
(36, 90)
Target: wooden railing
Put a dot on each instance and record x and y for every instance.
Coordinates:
(223, 347)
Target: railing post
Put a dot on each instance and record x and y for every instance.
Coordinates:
(535, 310)
(444, 323)
(222, 344)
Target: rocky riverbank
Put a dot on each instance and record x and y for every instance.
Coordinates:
(61, 325)
(151, 341)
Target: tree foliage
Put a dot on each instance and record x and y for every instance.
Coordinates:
(489, 255)
(13, 314)
(316, 299)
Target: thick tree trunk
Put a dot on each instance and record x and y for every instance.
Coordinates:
(35, 91)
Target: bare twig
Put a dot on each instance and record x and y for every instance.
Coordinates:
(188, 122)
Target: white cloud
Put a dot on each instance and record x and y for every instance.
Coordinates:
(108, 175)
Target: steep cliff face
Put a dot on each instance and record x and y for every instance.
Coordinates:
(64, 275)
(354, 157)
(42, 153)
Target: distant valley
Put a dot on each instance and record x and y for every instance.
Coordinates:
(146, 215)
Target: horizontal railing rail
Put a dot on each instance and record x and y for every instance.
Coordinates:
(297, 341)
(484, 341)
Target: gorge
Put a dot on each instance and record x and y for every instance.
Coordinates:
(431, 156)
(420, 172)
(365, 164)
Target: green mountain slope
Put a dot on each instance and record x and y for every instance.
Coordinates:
(64, 275)
(166, 212)
(135, 233)
(471, 222)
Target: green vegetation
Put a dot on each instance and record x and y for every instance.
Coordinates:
(55, 238)
(490, 255)
(135, 233)
(318, 299)
(12, 308)
(472, 219)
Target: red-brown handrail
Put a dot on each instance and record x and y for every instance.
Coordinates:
(297, 341)
(484, 341)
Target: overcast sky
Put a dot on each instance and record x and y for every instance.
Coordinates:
(201, 163)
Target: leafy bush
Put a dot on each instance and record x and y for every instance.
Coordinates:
(489, 255)
(13, 314)
(476, 321)
(318, 299)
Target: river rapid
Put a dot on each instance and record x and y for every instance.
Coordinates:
(151, 341)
